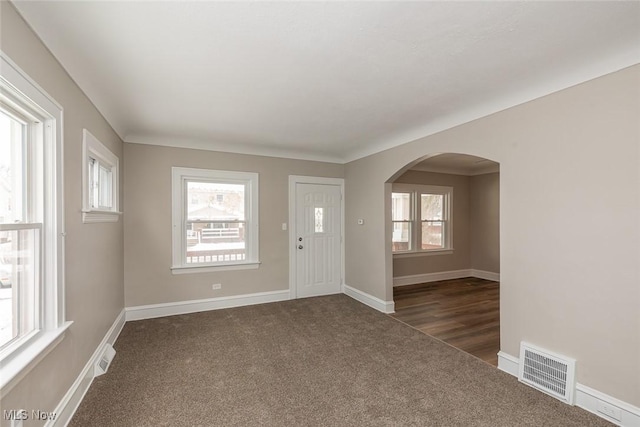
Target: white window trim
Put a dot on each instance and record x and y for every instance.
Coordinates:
(178, 202)
(416, 190)
(18, 359)
(92, 147)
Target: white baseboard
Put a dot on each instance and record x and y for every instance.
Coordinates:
(586, 398)
(71, 400)
(193, 306)
(486, 275)
(370, 300)
(445, 275)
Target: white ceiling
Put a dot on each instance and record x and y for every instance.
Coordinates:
(324, 80)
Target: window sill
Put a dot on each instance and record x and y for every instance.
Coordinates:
(93, 216)
(423, 253)
(16, 365)
(213, 268)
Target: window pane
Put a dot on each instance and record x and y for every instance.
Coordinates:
(93, 183)
(400, 206)
(319, 220)
(12, 194)
(18, 283)
(432, 207)
(401, 238)
(105, 187)
(215, 201)
(215, 242)
(432, 235)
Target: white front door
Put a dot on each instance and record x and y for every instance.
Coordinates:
(318, 246)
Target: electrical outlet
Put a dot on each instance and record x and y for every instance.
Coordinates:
(610, 410)
(216, 286)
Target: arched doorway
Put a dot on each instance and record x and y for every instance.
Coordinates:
(445, 239)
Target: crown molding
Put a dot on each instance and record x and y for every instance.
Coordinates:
(249, 149)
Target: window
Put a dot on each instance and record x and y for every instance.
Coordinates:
(421, 217)
(215, 220)
(31, 224)
(99, 180)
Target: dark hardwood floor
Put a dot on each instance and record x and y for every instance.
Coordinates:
(462, 312)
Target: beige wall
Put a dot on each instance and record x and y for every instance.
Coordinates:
(460, 258)
(94, 294)
(484, 222)
(148, 278)
(567, 161)
(573, 292)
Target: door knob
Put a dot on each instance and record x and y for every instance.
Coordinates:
(300, 247)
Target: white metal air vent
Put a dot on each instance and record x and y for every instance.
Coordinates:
(104, 361)
(548, 372)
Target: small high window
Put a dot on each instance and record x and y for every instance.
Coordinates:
(100, 181)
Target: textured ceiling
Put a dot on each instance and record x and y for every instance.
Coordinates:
(324, 80)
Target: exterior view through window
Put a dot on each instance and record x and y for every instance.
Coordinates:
(432, 213)
(216, 222)
(19, 238)
(401, 217)
(421, 218)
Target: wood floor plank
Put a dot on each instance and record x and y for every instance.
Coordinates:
(462, 312)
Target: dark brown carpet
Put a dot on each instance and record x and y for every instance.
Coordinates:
(327, 361)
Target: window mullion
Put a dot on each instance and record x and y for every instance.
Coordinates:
(184, 221)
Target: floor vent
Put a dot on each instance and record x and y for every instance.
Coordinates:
(548, 372)
(104, 361)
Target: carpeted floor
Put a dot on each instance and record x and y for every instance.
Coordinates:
(326, 361)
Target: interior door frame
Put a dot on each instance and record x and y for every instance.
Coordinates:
(293, 181)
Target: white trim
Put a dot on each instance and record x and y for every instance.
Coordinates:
(19, 365)
(444, 275)
(430, 277)
(153, 311)
(298, 179)
(72, 399)
(233, 148)
(590, 400)
(586, 398)
(508, 363)
(366, 299)
(21, 90)
(94, 216)
(212, 268)
(423, 253)
(486, 275)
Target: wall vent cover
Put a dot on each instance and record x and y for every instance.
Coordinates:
(104, 361)
(548, 372)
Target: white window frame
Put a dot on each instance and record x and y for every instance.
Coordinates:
(19, 91)
(179, 178)
(92, 148)
(416, 190)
